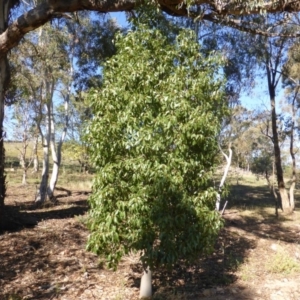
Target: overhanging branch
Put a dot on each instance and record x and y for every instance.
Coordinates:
(221, 12)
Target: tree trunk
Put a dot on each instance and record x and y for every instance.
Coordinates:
(228, 163)
(24, 177)
(292, 153)
(56, 153)
(35, 155)
(146, 284)
(4, 75)
(284, 197)
(42, 192)
(55, 170)
(4, 80)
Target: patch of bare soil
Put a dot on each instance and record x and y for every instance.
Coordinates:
(43, 256)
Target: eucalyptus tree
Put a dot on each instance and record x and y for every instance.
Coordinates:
(153, 141)
(291, 82)
(51, 78)
(268, 58)
(24, 132)
(6, 7)
(273, 55)
(234, 127)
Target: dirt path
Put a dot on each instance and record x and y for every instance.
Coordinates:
(43, 256)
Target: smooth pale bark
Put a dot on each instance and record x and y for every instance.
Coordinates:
(55, 167)
(228, 163)
(24, 167)
(292, 153)
(48, 94)
(35, 155)
(272, 187)
(56, 153)
(146, 284)
(42, 192)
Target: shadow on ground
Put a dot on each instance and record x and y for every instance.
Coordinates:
(262, 222)
(21, 215)
(213, 276)
(49, 261)
(245, 196)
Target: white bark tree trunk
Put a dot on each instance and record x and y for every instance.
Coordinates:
(42, 192)
(292, 153)
(49, 91)
(35, 155)
(228, 163)
(56, 153)
(146, 284)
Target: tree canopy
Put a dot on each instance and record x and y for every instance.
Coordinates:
(233, 13)
(153, 141)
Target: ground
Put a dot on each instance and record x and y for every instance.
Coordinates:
(43, 256)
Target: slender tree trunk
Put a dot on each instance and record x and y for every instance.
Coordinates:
(23, 165)
(228, 163)
(284, 197)
(4, 75)
(4, 80)
(56, 153)
(23, 153)
(293, 183)
(42, 193)
(35, 155)
(55, 167)
(146, 285)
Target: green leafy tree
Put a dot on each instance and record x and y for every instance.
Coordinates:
(153, 140)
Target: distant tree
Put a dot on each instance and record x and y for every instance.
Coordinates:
(153, 141)
(291, 82)
(76, 147)
(23, 132)
(270, 54)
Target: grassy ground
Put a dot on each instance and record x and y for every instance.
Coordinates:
(43, 256)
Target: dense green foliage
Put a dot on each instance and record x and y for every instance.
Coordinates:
(153, 142)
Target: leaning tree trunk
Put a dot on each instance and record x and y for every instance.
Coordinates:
(56, 153)
(284, 197)
(228, 163)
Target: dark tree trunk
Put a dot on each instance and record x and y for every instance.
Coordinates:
(3, 72)
(5, 6)
(284, 196)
